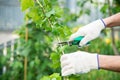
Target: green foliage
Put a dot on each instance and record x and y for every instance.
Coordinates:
(50, 13)
(55, 59)
(99, 75)
(55, 76)
(108, 9)
(104, 8)
(26, 4)
(47, 24)
(44, 27)
(116, 6)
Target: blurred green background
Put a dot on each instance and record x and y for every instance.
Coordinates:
(34, 54)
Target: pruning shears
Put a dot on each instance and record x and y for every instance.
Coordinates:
(73, 42)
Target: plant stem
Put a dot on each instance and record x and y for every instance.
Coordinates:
(43, 10)
(25, 68)
(60, 45)
(25, 60)
(64, 78)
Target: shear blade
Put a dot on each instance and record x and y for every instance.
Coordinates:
(63, 43)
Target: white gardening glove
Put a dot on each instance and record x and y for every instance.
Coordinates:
(78, 62)
(90, 31)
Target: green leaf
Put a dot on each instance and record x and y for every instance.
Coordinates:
(54, 56)
(34, 14)
(46, 78)
(25, 4)
(25, 51)
(16, 64)
(58, 11)
(55, 59)
(55, 31)
(32, 63)
(104, 8)
(54, 79)
(37, 60)
(26, 48)
(48, 14)
(55, 76)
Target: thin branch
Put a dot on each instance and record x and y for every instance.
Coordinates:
(43, 10)
(60, 45)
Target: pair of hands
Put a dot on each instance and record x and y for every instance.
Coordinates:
(82, 62)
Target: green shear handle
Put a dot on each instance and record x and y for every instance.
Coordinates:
(77, 40)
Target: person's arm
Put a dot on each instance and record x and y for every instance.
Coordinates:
(93, 29)
(83, 62)
(112, 20)
(109, 62)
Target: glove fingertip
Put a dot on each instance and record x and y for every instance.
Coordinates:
(81, 44)
(64, 74)
(64, 57)
(71, 38)
(85, 40)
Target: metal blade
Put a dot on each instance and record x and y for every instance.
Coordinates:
(65, 43)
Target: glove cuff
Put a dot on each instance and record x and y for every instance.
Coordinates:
(100, 24)
(103, 22)
(94, 61)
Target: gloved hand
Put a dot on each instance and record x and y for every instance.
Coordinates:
(78, 62)
(90, 31)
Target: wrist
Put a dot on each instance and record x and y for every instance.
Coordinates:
(102, 61)
(108, 21)
(103, 22)
(109, 62)
(112, 20)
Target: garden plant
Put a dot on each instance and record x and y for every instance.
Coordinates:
(37, 55)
